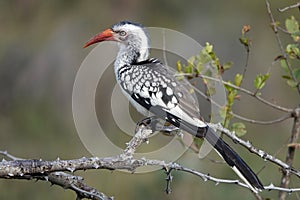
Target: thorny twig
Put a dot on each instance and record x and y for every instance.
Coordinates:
(65, 180)
(75, 183)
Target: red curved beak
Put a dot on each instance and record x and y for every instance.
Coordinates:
(103, 36)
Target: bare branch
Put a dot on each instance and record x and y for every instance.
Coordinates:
(285, 180)
(296, 5)
(283, 30)
(52, 170)
(5, 153)
(247, 47)
(141, 136)
(32, 169)
(66, 181)
(288, 190)
(111, 163)
(280, 119)
(268, 103)
(76, 184)
(252, 94)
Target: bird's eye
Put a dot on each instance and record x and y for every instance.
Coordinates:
(122, 33)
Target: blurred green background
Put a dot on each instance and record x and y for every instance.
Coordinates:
(41, 51)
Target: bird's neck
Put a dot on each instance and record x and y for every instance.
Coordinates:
(131, 54)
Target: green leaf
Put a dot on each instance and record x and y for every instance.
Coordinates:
(209, 50)
(286, 77)
(188, 69)
(292, 83)
(239, 128)
(238, 79)
(208, 47)
(293, 51)
(292, 26)
(204, 57)
(179, 66)
(199, 67)
(231, 96)
(244, 41)
(284, 65)
(223, 112)
(227, 65)
(228, 87)
(191, 60)
(260, 81)
(297, 73)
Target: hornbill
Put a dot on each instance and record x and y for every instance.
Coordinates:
(151, 86)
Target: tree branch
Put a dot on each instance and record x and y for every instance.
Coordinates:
(296, 5)
(52, 171)
(76, 184)
(268, 103)
(64, 180)
(46, 170)
(274, 121)
(285, 180)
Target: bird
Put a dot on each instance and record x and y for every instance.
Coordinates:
(150, 86)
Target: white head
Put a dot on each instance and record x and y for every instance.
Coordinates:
(132, 38)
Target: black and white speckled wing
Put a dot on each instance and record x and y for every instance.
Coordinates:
(189, 101)
(156, 88)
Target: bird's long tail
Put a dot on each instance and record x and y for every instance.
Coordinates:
(234, 160)
(227, 153)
